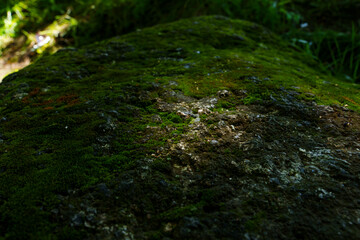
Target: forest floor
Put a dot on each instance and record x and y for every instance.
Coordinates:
(15, 57)
(7, 68)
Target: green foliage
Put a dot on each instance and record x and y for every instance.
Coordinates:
(103, 19)
(339, 53)
(332, 36)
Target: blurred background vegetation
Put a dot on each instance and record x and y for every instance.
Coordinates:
(326, 30)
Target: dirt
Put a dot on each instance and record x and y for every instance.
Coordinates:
(7, 68)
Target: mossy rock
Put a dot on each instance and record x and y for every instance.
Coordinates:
(205, 128)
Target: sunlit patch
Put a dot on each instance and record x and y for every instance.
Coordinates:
(41, 40)
(18, 51)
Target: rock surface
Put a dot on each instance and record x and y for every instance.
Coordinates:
(206, 128)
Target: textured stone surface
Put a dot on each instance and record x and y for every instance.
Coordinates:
(206, 128)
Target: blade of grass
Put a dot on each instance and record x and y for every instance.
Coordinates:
(356, 68)
(352, 46)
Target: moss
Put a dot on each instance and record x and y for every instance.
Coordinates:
(180, 212)
(161, 165)
(225, 104)
(154, 235)
(82, 116)
(253, 225)
(174, 118)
